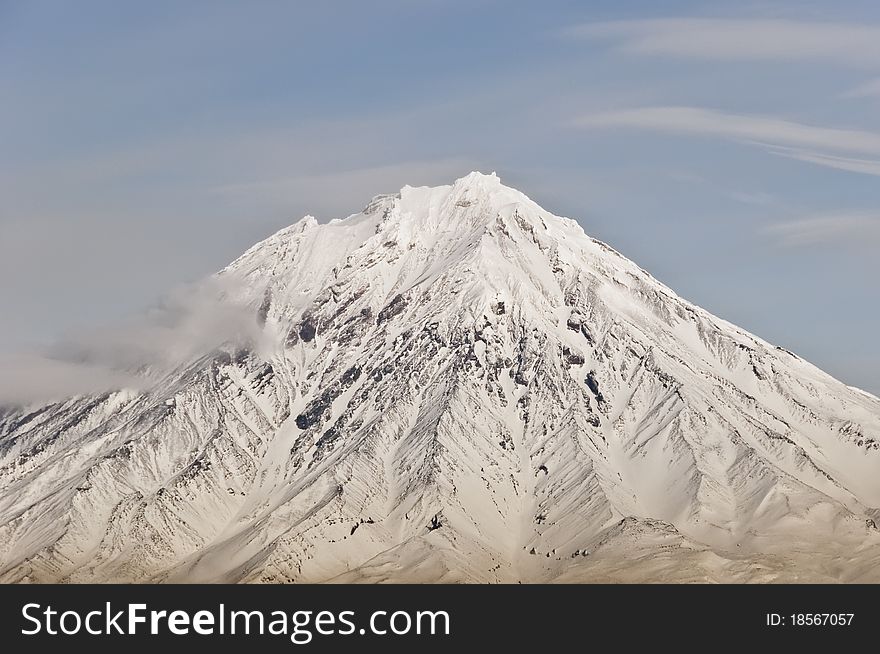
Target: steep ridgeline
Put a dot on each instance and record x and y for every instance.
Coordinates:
(460, 386)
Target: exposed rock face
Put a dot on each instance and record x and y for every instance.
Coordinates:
(465, 388)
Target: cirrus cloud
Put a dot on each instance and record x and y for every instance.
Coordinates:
(853, 227)
(849, 44)
(778, 136)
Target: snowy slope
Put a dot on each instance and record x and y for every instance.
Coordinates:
(454, 385)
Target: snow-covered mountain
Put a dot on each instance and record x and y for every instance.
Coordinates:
(455, 385)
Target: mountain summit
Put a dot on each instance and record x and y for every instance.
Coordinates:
(452, 385)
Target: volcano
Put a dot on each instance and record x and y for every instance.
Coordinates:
(454, 385)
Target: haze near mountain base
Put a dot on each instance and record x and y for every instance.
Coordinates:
(453, 385)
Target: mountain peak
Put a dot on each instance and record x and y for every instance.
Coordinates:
(477, 178)
(474, 185)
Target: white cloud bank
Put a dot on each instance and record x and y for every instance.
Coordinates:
(190, 323)
(29, 377)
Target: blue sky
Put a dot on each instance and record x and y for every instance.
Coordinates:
(732, 149)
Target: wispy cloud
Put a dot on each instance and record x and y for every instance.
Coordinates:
(848, 44)
(850, 164)
(783, 137)
(755, 198)
(850, 228)
(761, 129)
(869, 89)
